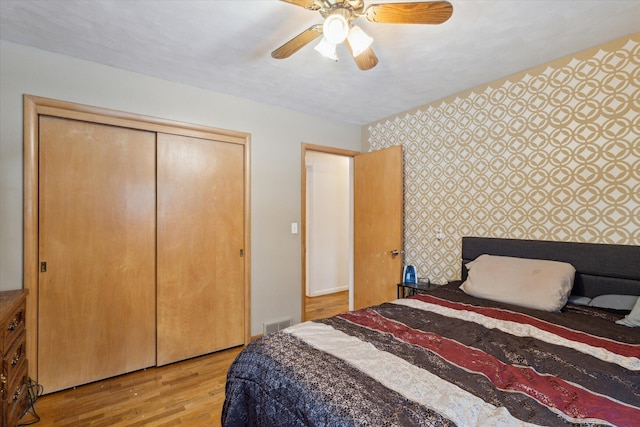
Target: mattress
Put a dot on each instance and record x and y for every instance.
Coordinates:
(442, 358)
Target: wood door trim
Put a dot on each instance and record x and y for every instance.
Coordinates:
(33, 107)
(70, 110)
(30, 229)
(303, 220)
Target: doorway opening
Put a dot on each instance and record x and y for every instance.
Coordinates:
(327, 231)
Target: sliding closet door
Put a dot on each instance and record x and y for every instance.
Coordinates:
(96, 312)
(200, 289)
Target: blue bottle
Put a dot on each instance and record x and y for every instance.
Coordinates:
(410, 275)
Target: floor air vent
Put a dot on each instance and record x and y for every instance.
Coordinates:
(276, 326)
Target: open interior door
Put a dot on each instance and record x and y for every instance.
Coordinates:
(378, 204)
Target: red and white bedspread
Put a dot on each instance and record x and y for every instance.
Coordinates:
(442, 358)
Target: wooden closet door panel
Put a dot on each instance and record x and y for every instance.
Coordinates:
(200, 289)
(96, 314)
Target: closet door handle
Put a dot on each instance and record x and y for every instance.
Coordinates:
(396, 252)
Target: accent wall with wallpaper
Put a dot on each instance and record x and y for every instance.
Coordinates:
(552, 153)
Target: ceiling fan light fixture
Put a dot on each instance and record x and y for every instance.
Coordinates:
(327, 49)
(338, 27)
(358, 40)
(335, 28)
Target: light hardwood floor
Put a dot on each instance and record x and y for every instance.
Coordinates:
(326, 305)
(188, 393)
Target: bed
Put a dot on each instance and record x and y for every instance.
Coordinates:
(447, 358)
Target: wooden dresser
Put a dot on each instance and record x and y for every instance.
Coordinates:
(13, 377)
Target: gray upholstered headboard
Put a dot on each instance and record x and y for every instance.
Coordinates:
(600, 268)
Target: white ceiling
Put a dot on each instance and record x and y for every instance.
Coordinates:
(225, 46)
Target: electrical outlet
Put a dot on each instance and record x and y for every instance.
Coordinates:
(439, 234)
(294, 228)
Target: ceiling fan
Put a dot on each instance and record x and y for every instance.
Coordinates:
(338, 25)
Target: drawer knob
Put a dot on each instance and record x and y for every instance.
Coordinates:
(18, 392)
(15, 359)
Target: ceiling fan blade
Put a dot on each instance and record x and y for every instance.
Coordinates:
(298, 42)
(307, 4)
(430, 12)
(366, 60)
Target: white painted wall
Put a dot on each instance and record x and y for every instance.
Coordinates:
(277, 134)
(328, 215)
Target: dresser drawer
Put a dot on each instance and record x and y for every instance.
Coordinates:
(15, 403)
(12, 327)
(17, 408)
(13, 360)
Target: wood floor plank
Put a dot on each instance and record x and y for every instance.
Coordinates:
(326, 305)
(188, 393)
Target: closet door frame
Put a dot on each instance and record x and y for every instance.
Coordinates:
(33, 108)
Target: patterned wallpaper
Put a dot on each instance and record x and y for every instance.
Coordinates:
(551, 154)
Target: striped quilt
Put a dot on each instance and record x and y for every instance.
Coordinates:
(441, 359)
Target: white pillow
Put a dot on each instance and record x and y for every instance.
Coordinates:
(534, 283)
(632, 319)
(614, 301)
